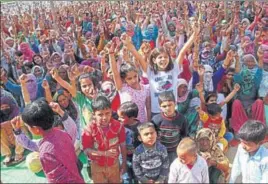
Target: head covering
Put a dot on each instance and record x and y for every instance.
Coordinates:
(214, 151)
(52, 58)
(208, 83)
(91, 62)
(71, 109)
(32, 86)
(108, 90)
(42, 71)
(247, 81)
(182, 98)
(14, 109)
(250, 56)
(172, 33)
(245, 20)
(27, 52)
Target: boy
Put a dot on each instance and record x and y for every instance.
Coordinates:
(189, 167)
(56, 149)
(171, 125)
(213, 120)
(251, 158)
(101, 141)
(150, 159)
(128, 113)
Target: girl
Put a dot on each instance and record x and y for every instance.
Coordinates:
(162, 72)
(131, 89)
(84, 98)
(38, 72)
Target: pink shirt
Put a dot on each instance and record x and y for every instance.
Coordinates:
(58, 158)
(137, 96)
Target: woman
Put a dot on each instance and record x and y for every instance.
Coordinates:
(218, 163)
(27, 52)
(38, 72)
(8, 111)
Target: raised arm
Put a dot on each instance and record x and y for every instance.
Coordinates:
(117, 78)
(46, 87)
(231, 95)
(71, 88)
(127, 42)
(24, 90)
(187, 45)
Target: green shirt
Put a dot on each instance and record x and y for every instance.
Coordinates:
(85, 108)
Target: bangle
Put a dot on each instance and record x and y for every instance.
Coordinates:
(17, 131)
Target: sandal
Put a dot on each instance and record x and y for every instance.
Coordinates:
(18, 158)
(8, 160)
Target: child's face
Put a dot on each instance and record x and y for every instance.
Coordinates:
(230, 75)
(122, 117)
(168, 108)
(186, 158)
(148, 136)
(132, 79)
(103, 117)
(182, 89)
(87, 88)
(249, 146)
(212, 99)
(162, 61)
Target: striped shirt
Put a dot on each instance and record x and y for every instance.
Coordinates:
(170, 130)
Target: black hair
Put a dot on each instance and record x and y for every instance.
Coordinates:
(154, 54)
(230, 70)
(27, 64)
(166, 96)
(142, 126)
(209, 95)
(213, 109)
(38, 113)
(90, 77)
(100, 103)
(125, 68)
(37, 55)
(130, 109)
(18, 53)
(252, 131)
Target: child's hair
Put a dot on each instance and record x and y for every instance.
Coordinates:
(38, 114)
(188, 145)
(90, 77)
(213, 109)
(130, 109)
(154, 54)
(252, 131)
(100, 103)
(125, 68)
(143, 126)
(230, 70)
(209, 95)
(166, 96)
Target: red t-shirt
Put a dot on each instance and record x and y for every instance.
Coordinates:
(95, 137)
(186, 73)
(116, 103)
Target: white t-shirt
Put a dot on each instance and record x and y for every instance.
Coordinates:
(162, 81)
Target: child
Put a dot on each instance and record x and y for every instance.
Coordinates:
(251, 158)
(162, 72)
(213, 120)
(101, 141)
(150, 159)
(56, 150)
(129, 87)
(127, 114)
(189, 167)
(171, 125)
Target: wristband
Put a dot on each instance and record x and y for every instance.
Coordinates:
(17, 131)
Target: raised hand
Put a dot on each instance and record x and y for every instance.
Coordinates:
(199, 87)
(17, 122)
(201, 71)
(126, 40)
(45, 84)
(260, 53)
(54, 73)
(236, 87)
(56, 108)
(23, 79)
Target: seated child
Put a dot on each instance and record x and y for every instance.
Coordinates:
(56, 149)
(128, 113)
(101, 141)
(150, 159)
(251, 159)
(171, 125)
(213, 120)
(189, 167)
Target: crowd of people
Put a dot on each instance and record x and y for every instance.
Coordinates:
(149, 91)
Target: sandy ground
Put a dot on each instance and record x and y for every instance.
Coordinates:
(231, 154)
